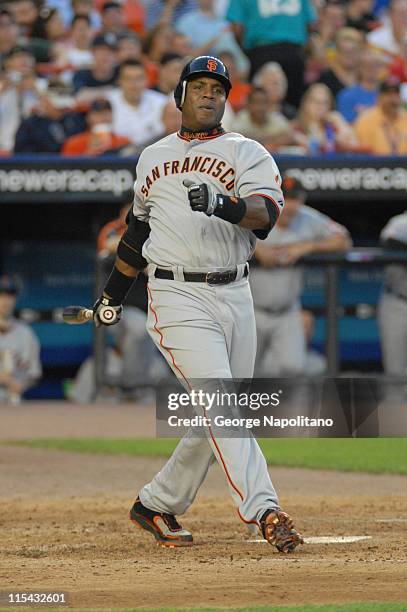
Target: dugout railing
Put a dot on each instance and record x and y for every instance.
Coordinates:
(332, 264)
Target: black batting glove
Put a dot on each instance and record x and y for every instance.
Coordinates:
(105, 312)
(202, 198)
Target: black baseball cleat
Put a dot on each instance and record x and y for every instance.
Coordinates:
(164, 527)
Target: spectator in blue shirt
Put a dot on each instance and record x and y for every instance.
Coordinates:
(210, 33)
(104, 71)
(352, 100)
(46, 130)
(274, 31)
(166, 11)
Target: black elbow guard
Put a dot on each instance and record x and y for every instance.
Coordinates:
(131, 244)
(273, 213)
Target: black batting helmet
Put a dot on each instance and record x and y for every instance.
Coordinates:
(206, 65)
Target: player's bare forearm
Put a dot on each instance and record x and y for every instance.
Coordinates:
(337, 242)
(256, 217)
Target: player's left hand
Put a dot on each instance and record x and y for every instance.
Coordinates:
(202, 197)
(106, 313)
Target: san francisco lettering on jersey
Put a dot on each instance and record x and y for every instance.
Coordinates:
(209, 165)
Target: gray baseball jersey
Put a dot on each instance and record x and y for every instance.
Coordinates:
(232, 165)
(277, 292)
(392, 311)
(396, 275)
(20, 352)
(280, 288)
(204, 331)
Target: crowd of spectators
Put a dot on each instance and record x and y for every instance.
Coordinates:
(94, 77)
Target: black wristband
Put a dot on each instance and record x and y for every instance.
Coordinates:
(230, 209)
(117, 287)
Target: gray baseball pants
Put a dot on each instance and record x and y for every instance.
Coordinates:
(207, 332)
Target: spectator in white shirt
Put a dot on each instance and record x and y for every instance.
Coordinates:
(19, 92)
(136, 109)
(76, 53)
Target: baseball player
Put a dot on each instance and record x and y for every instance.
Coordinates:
(392, 310)
(277, 285)
(20, 365)
(202, 198)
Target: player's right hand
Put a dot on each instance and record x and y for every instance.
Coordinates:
(202, 198)
(106, 313)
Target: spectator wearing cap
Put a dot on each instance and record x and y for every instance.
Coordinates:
(270, 128)
(88, 83)
(51, 123)
(344, 67)
(382, 129)
(20, 365)
(8, 34)
(19, 91)
(353, 100)
(136, 109)
(113, 19)
(169, 72)
(99, 138)
(273, 33)
(389, 37)
(75, 52)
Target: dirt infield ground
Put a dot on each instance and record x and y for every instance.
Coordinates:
(64, 526)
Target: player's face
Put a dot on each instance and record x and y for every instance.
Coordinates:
(204, 104)
(7, 304)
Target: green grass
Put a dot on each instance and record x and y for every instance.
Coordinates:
(374, 455)
(351, 607)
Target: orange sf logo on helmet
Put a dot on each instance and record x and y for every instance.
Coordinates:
(212, 65)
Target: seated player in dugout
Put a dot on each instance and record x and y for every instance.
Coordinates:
(277, 284)
(202, 198)
(20, 366)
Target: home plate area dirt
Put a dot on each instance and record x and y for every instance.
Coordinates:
(64, 527)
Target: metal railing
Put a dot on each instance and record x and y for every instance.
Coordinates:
(332, 264)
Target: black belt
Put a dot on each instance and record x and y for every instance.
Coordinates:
(211, 278)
